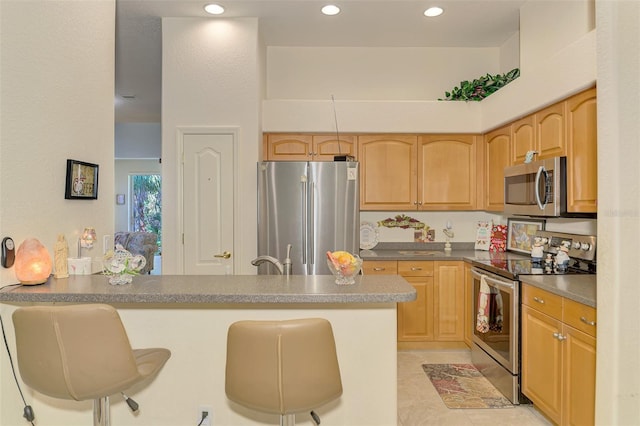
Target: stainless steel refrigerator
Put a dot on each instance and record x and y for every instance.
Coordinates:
(314, 206)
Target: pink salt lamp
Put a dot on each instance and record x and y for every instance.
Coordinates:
(33, 262)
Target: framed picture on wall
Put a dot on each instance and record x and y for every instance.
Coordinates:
(520, 233)
(82, 181)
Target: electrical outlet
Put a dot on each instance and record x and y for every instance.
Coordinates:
(207, 421)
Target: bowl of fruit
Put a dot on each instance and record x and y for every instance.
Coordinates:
(344, 266)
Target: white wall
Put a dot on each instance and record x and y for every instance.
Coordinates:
(618, 377)
(373, 73)
(550, 26)
(57, 79)
(138, 140)
(57, 76)
(557, 59)
(510, 54)
(123, 169)
(211, 77)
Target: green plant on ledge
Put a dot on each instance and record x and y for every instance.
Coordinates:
(482, 87)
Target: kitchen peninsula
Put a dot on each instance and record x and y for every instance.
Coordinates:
(190, 316)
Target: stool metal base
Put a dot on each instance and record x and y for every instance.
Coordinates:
(101, 411)
(287, 420)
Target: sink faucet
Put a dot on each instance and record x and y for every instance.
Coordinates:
(272, 260)
(282, 269)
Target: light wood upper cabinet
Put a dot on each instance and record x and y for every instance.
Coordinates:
(523, 138)
(388, 172)
(287, 147)
(559, 356)
(550, 131)
(582, 155)
(543, 132)
(306, 147)
(497, 157)
(325, 147)
(447, 172)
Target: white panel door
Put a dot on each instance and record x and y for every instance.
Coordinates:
(208, 201)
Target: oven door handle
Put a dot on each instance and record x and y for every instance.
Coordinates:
(495, 282)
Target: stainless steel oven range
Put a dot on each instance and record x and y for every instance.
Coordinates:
(496, 297)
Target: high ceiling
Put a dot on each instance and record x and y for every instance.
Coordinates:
(361, 23)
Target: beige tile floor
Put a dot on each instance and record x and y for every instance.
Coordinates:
(419, 403)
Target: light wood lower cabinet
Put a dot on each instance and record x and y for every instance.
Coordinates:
(559, 356)
(436, 319)
(416, 319)
(469, 309)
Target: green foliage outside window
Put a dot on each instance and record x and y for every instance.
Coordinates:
(147, 204)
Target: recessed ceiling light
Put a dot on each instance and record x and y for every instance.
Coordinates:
(330, 10)
(214, 9)
(433, 11)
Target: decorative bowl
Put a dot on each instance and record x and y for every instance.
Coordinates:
(345, 273)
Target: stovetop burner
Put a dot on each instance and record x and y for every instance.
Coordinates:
(512, 268)
(581, 252)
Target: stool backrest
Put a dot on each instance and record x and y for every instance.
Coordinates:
(282, 367)
(75, 352)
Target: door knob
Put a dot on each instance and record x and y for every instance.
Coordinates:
(225, 255)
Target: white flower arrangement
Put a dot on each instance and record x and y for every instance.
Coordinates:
(121, 265)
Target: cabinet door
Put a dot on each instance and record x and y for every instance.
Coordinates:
(542, 361)
(388, 172)
(469, 309)
(550, 131)
(448, 300)
(325, 147)
(288, 147)
(582, 155)
(415, 318)
(523, 138)
(579, 381)
(447, 172)
(498, 149)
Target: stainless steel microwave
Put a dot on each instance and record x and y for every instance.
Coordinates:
(538, 188)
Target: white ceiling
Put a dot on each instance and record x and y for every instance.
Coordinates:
(388, 23)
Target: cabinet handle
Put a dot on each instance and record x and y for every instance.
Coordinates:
(379, 269)
(416, 268)
(584, 320)
(537, 299)
(415, 203)
(559, 336)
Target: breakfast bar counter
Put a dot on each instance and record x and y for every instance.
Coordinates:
(190, 316)
(215, 289)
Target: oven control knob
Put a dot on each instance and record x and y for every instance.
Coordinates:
(577, 245)
(585, 246)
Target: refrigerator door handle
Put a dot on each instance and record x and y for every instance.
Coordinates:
(305, 219)
(312, 225)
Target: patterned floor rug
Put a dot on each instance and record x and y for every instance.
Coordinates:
(462, 386)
